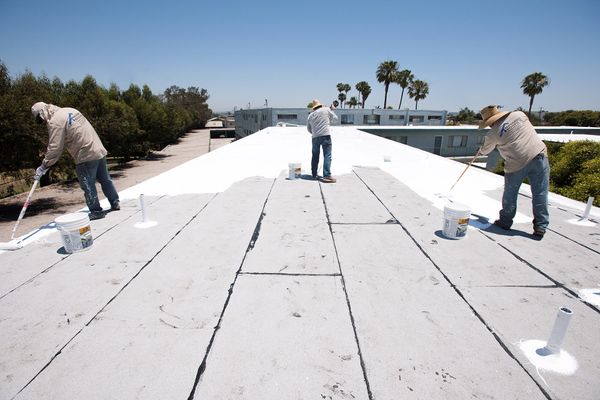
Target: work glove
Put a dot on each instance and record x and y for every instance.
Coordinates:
(39, 172)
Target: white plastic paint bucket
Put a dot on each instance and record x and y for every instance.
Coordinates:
(295, 170)
(456, 220)
(75, 231)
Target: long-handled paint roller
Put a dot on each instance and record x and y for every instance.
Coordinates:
(461, 175)
(447, 194)
(15, 245)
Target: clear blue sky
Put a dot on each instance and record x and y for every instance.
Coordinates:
(472, 53)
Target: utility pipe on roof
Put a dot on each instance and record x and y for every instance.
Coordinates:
(559, 330)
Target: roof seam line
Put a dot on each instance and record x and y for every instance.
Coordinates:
(557, 283)
(460, 294)
(352, 322)
(288, 274)
(250, 246)
(67, 256)
(115, 296)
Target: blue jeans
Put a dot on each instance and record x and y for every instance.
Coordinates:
(325, 142)
(538, 172)
(87, 173)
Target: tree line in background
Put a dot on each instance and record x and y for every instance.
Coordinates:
(562, 118)
(130, 123)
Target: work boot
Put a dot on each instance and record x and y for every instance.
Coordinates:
(328, 179)
(539, 232)
(115, 206)
(96, 215)
(501, 224)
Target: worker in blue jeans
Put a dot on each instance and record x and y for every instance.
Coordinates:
(318, 123)
(525, 156)
(68, 128)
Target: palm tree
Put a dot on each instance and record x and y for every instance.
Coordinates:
(386, 73)
(344, 87)
(347, 88)
(340, 88)
(364, 90)
(353, 102)
(418, 90)
(534, 84)
(342, 99)
(404, 78)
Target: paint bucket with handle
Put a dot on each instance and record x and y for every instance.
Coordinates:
(75, 231)
(295, 170)
(456, 220)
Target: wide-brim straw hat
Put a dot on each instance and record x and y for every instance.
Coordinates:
(316, 104)
(491, 114)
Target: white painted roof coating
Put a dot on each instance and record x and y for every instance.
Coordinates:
(254, 286)
(267, 153)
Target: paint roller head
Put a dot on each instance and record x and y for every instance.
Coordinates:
(10, 246)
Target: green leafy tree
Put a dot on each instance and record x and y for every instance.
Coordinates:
(418, 90)
(569, 160)
(575, 169)
(532, 85)
(403, 78)
(574, 118)
(364, 90)
(466, 116)
(4, 79)
(386, 74)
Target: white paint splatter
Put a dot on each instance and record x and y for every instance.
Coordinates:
(581, 222)
(561, 363)
(591, 296)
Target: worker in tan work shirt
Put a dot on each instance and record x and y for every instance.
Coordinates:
(525, 156)
(68, 128)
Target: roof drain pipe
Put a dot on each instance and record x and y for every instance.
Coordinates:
(146, 223)
(559, 330)
(588, 208)
(549, 356)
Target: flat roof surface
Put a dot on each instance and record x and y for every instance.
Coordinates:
(255, 286)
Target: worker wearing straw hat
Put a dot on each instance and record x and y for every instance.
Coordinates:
(525, 156)
(318, 125)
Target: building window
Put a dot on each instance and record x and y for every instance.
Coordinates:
(397, 117)
(416, 118)
(371, 119)
(347, 119)
(457, 141)
(402, 139)
(286, 117)
(480, 139)
(434, 118)
(264, 117)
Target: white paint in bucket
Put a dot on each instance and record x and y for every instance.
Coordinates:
(75, 231)
(456, 220)
(295, 170)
